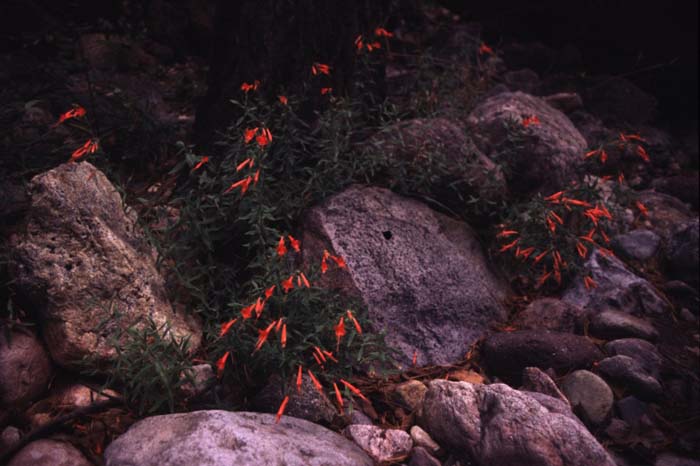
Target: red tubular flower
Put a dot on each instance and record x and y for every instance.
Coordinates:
(304, 280)
(259, 306)
(543, 278)
(531, 120)
(264, 138)
(354, 389)
(283, 338)
(76, 112)
(354, 322)
(581, 249)
(299, 379)
(381, 32)
(320, 68)
(554, 197)
(508, 246)
(642, 208)
(246, 163)
(243, 184)
(485, 49)
(221, 363)
(249, 134)
(338, 397)
(339, 332)
(643, 154)
(315, 381)
(89, 147)
(414, 361)
(281, 248)
(589, 283)
(247, 311)
(539, 257)
(339, 261)
(262, 336)
(280, 411)
(288, 284)
(326, 90)
(296, 245)
(226, 327)
(201, 162)
(246, 87)
(269, 291)
(283, 100)
(506, 233)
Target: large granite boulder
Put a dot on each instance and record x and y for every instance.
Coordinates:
(203, 438)
(497, 425)
(684, 253)
(80, 259)
(547, 154)
(422, 275)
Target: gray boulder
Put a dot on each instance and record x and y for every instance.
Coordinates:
(617, 288)
(422, 275)
(496, 425)
(25, 368)
(640, 244)
(549, 153)
(631, 374)
(589, 395)
(202, 438)
(642, 351)
(81, 258)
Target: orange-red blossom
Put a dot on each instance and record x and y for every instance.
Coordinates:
(280, 411)
(201, 162)
(246, 87)
(76, 112)
(221, 363)
(89, 147)
(320, 68)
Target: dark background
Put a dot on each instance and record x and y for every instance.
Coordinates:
(654, 44)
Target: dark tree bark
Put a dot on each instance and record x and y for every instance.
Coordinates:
(276, 42)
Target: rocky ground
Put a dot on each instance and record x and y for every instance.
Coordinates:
(602, 376)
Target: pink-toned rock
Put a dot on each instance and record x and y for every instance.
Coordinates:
(46, 452)
(496, 425)
(549, 152)
(25, 368)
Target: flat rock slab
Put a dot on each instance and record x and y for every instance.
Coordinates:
(81, 258)
(617, 288)
(507, 354)
(549, 152)
(550, 314)
(205, 438)
(496, 425)
(422, 275)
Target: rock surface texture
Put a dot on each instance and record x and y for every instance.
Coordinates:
(25, 368)
(617, 288)
(202, 438)
(550, 150)
(496, 425)
(48, 452)
(81, 258)
(422, 275)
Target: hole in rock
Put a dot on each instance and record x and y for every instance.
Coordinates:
(387, 234)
